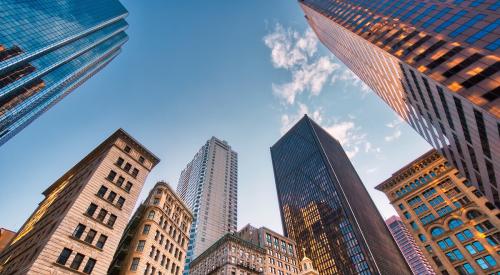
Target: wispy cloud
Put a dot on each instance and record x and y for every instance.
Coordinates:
(350, 80)
(396, 130)
(296, 52)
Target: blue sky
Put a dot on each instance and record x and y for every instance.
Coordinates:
(243, 71)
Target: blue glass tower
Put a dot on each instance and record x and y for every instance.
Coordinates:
(326, 209)
(47, 49)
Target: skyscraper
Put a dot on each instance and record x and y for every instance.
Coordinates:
(77, 227)
(208, 185)
(47, 49)
(433, 62)
(326, 209)
(457, 227)
(409, 248)
(156, 238)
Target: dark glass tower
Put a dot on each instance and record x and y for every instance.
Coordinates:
(326, 209)
(47, 49)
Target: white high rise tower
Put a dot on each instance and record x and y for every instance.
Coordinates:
(208, 185)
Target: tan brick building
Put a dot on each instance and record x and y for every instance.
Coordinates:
(454, 224)
(156, 238)
(281, 256)
(5, 237)
(230, 255)
(77, 227)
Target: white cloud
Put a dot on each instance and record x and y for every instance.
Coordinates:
(396, 131)
(295, 52)
(371, 170)
(349, 79)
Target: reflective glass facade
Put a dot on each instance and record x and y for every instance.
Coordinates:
(208, 185)
(326, 209)
(47, 49)
(436, 63)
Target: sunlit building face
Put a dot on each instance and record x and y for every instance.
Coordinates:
(49, 48)
(454, 224)
(435, 63)
(326, 209)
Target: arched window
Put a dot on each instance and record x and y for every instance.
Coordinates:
(151, 215)
(433, 174)
(422, 237)
(473, 214)
(437, 231)
(422, 180)
(417, 182)
(454, 223)
(427, 177)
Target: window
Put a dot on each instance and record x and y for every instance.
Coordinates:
(486, 262)
(146, 229)
(135, 264)
(464, 235)
(111, 176)
(401, 206)
(414, 225)
(446, 243)
(414, 200)
(484, 226)
(91, 210)
(429, 192)
(127, 149)
(450, 21)
(77, 261)
(141, 159)
(64, 256)
(120, 202)
(140, 245)
(482, 33)
(427, 219)
(127, 167)
(455, 255)
(102, 191)
(128, 186)
(102, 214)
(444, 210)
(454, 223)
(90, 236)
(135, 172)
(489, 71)
(111, 196)
(101, 241)
(493, 239)
(465, 269)
(467, 25)
(151, 215)
(437, 231)
(120, 181)
(80, 228)
(111, 220)
(120, 161)
(89, 266)
(473, 214)
(436, 201)
(422, 237)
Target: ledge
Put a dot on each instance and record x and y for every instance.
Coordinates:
(85, 243)
(96, 220)
(69, 268)
(110, 203)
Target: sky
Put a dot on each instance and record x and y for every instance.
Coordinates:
(243, 71)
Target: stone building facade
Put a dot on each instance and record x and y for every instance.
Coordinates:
(77, 227)
(230, 255)
(156, 238)
(451, 220)
(281, 256)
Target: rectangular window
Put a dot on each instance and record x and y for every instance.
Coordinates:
(112, 220)
(134, 264)
(77, 261)
(120, 202)
(127, 149)
(120, 161)
(467, 25)
(127, 167)
(89, 266)
(120, 181)
(64, 256)
(140, 245)
(462, 65)
(146, 229)
(463, 121)
(80, 228)
(111, 176)
(489, 71)
(135, 172)
(111, 197)
(90, 236)
(128, 186)
(141, 159)
(102, 191)
(101, 241)
(102, 214)
(91, 210)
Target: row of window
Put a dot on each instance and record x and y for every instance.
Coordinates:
(151, 270)
(111, 177)
(269, 240)
(111, 197)
(101, 216)
(127, 167)
(172, 231)
(89, 238)
(77, 261)
(128, 150)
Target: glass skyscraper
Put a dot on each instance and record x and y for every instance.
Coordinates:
(47, 49)
(326, 209)
(209, 187)
(436, 63)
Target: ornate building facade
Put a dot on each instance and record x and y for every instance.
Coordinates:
(230, 255)
(77, 227)
(156, 238)
(281, 257)
(453, 223)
